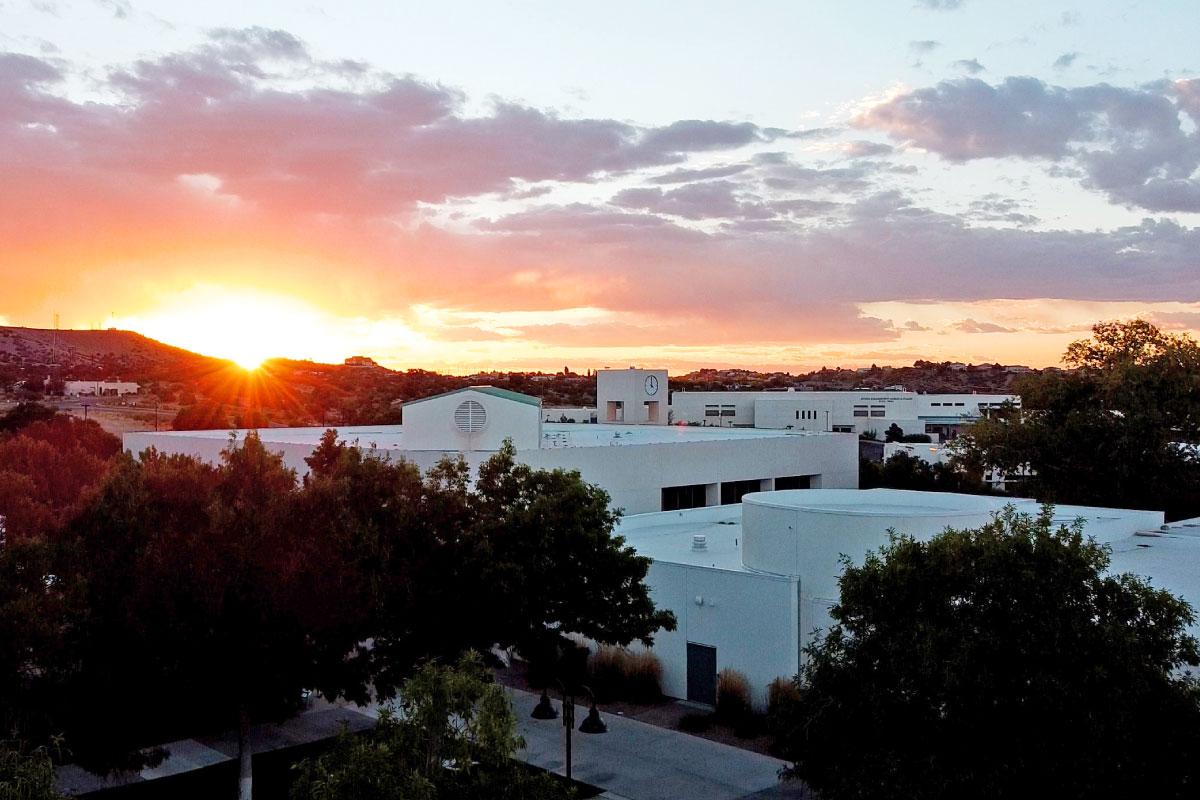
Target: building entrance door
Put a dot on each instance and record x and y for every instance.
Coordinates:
(701, 673)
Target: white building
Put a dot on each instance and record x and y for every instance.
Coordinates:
(99, 388)
(939, 415)
(632, 396)
(643, 467)
(749, 583)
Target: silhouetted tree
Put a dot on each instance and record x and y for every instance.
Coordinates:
(996, 663)
(1121, 429)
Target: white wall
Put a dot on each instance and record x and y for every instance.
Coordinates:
(429, 424)
(634, 475)
(632, 389)
(99, 388)
(729, 618)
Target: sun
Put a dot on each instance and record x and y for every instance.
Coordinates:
(244, 325)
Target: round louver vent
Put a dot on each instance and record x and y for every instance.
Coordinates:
(470, 416)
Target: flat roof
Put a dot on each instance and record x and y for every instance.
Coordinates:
(554, 434)
(882, 502)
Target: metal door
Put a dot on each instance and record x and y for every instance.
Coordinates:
(701, 673)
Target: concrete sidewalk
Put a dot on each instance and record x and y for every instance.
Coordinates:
(638, 761)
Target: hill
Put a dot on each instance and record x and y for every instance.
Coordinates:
(96, 355)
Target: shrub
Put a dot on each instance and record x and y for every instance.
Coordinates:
(615, 673)
(780, 692)
(733, 696)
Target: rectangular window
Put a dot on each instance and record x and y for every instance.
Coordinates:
(936, 404)
(878, 411)
(860, 411)
(676, 498)
(732, 491)
(793, 482)
(960, 404)
(797, 415)
(843, 429)
(728, 411)
(712, 411)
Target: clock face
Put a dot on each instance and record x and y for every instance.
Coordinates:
(651, 384)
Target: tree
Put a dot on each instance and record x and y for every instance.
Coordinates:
(197, 585)
(453, 734)
(23, 414)
(205, 415)
(894, 433)
(1120, 429)
(905, 471)
(449, 566)
(995, 663)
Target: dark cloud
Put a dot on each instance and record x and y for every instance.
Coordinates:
(688, 175)
(996, 208)
(971, 66)
(1127, 142)
(1065, 60)
(861, 149)
(924, 46)
(695, 201)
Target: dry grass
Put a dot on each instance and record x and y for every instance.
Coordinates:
(733, 696)
(616, 673)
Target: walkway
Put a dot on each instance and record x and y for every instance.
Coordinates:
(638, 761)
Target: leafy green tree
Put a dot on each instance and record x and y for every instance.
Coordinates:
(452, 734)
(894, 433)
(1122, 428)
(905, 471)
(996, 663)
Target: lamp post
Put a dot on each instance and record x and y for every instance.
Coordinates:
(592, 724)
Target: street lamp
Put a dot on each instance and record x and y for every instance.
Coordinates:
(592, 724)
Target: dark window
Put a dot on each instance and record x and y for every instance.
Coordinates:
(712, 411)
(732, 491)
(860, 411)
(793, 482)
(675, 498)
(843, 429)
(728, 411)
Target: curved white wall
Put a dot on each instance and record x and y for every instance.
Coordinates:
(804, 532)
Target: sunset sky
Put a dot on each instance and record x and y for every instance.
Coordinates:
(466, 186)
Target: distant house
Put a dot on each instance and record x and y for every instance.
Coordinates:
(360, 361)
(99, 388)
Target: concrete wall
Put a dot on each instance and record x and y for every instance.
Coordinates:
(725, 610)
(99, 388)
(622, 396)
(429, 424)
(634, 475)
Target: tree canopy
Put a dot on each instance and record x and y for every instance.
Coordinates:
(1121, 428)
(996, 663)
(453, 734)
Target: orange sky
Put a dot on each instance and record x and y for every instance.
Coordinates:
(245, 197)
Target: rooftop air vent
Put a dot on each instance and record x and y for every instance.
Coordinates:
(699, 542)
(470, 416)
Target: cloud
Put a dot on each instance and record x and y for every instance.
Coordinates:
(940, 5)
(913, 325)
(1126, 142)
(252, 162)
(861, 149)
(1065, 60)
(924, 46)
(970, 66)
(971, 326)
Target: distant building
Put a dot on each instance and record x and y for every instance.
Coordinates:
(360, 361)
(99, 388)
(940, 415)
(643, 467)
(632, 396)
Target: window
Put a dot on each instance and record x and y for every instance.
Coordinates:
(675, 498)
(843, 429)
(936, 404)
(793, 482)
(732, 491)
(728, 411)
(712, 411)
(860, 411)
(960, 404)
(878, 411)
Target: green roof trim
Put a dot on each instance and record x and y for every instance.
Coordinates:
(503, 394)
